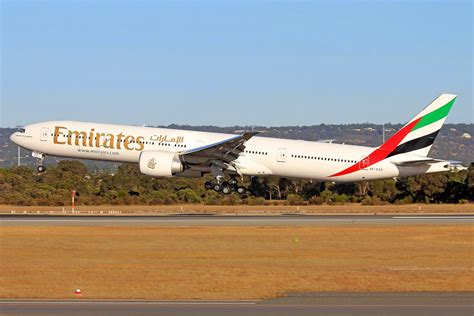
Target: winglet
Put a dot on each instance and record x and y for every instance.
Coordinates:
(248, 135)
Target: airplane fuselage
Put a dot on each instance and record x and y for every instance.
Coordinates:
(263, 156)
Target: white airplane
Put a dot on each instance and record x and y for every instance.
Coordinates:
(162, 152)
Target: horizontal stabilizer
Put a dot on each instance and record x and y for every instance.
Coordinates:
(416, 163)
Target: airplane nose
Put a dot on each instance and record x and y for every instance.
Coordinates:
(14, 138)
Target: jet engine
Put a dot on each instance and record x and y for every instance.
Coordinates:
(157, 163)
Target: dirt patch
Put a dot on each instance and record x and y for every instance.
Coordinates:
(232, 262)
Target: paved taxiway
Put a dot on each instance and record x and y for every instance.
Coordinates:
(210, 220)
(295, 304)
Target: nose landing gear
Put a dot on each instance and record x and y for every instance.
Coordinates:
(40, 158)
(41, 168)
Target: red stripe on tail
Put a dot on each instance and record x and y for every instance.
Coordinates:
(383, 151)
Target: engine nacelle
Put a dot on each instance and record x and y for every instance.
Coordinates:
(157, 163)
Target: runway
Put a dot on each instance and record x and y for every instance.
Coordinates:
(229, 220)
(295, 304)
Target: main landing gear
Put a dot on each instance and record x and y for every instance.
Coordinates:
(226, 187)
(224, 183)
(40, 159)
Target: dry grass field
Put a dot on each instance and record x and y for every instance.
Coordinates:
(249, 209)
(232, 262)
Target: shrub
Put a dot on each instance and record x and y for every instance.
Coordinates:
(295, 199)
(315, 200)
(341, 198)
(111, 195)
(327, 196)
(255, 201)
(212, 198)
(188, 195)
(366, 201)
(231, 200)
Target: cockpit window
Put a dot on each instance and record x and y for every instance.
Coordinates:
(21, 130)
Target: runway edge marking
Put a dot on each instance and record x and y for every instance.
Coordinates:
(45, 302)
(433, 217)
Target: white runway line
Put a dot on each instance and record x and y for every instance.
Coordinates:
(42, 220)
(433, 217)
(132, 302)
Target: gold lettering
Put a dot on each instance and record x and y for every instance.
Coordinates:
(127, 141)
(57, 133)
(97, 139)
(77, 135)
(106, 140)
(141, 145)
(109, 141)
(91, 137)
(119, 140)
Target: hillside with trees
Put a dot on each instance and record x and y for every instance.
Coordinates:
(24, 186)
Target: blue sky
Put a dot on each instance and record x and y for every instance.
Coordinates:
(233, 63)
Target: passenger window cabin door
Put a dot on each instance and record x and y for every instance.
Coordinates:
(281, 155)
(44, 134)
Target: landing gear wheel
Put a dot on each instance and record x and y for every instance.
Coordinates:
(208, 185)
(241, 190)
(226, 189)
(41, 168)
(217, 187)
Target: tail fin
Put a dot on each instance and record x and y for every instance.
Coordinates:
(418, 135)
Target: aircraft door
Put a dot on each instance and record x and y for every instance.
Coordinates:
(44, 134)
(281, 155)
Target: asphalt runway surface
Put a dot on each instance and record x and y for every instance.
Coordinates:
(230, 220)
(295, 304)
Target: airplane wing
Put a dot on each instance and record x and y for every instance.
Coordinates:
(224, 151)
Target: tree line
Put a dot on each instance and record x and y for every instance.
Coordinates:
(24, 186)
